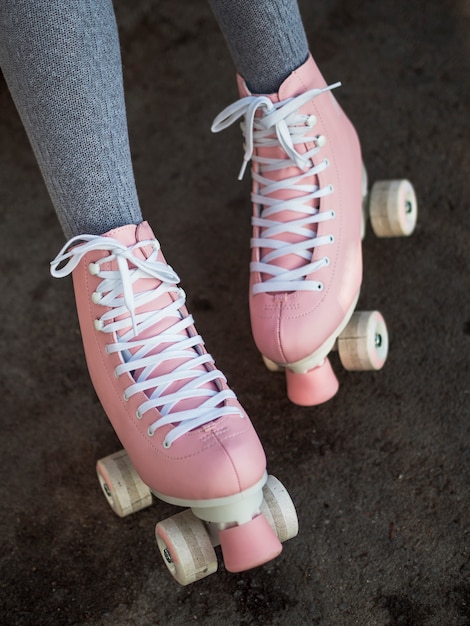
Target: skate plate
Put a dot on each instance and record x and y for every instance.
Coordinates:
(185, 541)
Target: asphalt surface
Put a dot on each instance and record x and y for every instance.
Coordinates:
(380, 474)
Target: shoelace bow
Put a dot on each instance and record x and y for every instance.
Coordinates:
(290, 129)
(197, 370)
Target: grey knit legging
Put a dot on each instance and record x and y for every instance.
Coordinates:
(61, 60)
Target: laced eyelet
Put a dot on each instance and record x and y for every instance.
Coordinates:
(150, 432)
(96, 297)
(124, 395)
(98, 324)
(166, 445)
(326, 260)
(311, 121)
(319, 286)
(332, 239)
(320, 141)
(138, 414)
(93, 268)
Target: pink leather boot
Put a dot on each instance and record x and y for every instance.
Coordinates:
(184, 431)
(306, 266)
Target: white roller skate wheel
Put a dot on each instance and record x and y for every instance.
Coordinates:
(186, 547)
(279, 510)
(393, 208)
(125, 491)
(271, 365)
(363, 344)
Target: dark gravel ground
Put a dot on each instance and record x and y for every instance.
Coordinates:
(380, 474)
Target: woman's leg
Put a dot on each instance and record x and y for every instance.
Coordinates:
(266, 39)
(307, 194)
(183, 429)
(61, 60)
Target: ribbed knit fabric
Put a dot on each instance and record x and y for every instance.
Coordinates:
(61, 60)
(62, 63)
(266, 39)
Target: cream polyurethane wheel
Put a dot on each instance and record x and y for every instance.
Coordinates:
(125, 492)
(186, 547)
(363, 344)
(279, 510)
(271, 365)
(393, 208)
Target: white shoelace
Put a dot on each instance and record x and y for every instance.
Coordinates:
(281, 124)
(116, 292)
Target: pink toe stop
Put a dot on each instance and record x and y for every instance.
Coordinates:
(249, 545)
(314, 387)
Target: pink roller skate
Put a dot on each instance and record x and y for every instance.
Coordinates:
(187, 439)
(309, 190)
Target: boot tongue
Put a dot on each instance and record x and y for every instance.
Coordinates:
(129, 236)
(304, 78)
